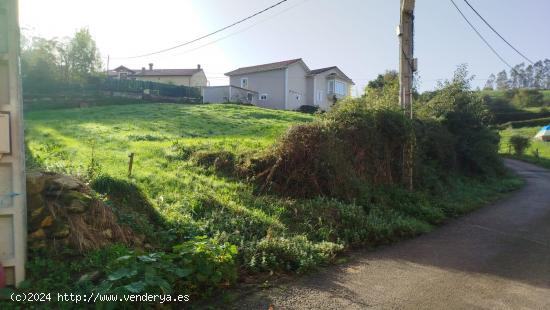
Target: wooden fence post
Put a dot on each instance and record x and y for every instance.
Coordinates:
(130, 164)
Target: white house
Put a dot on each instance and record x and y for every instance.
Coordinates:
(287, 85)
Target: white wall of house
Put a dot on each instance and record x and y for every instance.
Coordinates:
(215, 94)
(198, 79)
(296, 86)
(322, 98)
(270, 86)
(220, 94)
(175, 80)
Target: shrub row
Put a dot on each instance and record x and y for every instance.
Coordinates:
(504, 117)
(527, 123)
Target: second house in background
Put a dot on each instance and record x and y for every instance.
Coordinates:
(182, 77)
(287, 85)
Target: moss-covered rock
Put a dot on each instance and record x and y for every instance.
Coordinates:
(63, 215)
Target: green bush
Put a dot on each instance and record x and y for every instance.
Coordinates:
(201, 264)
(348, 147)
(210, 262)
(296, 253)
(155, 273)
(519, 143)
(528, 98)
(309, 109)
(467, 118)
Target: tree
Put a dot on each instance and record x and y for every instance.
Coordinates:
(538, 75)
(83, 56)
(467, 118)
(535, 76)
(490, 84)
(546, 74)
(39, 66)
(516, 76)
(502, 82)
(384, 90)
(529, 77)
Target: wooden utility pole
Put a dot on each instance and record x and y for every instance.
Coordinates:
(13, 214)
(407, 67)
(407, 64)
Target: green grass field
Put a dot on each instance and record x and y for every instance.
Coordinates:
(272, 233)
(543, 148)
(63, 140)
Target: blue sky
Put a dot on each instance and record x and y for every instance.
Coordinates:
(356, 35)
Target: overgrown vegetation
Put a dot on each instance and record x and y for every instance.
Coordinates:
(537, 152)
(520, 144)
(227, 198)
(517, 104)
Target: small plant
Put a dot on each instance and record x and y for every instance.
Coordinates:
(134, 273)
(520, 144)
(94, 167)
(200, 263)
(211, 263)
(309, 109)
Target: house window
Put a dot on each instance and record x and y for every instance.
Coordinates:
(263, 97)
(244, 83)
(336, 87)
(123, 75)
(298, 97)
(319, 96)
(249, 97)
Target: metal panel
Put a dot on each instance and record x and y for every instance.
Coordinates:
(4, 83)
(13, 230)
(5, 140)
(3, 27)
(6, 188)
(7, 247)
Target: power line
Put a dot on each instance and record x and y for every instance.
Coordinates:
(481, 37)
(209, 34)
(498, 34)
(241, 30)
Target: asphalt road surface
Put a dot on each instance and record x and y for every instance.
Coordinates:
(495, 258)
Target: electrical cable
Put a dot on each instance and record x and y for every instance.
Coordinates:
(498, 34)
(207, 35)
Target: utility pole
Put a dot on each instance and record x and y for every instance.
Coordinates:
(13, 213)
(407, 67)
(407, 64)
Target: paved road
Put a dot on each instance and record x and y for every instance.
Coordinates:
(495, 258)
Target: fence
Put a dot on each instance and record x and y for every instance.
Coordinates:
(95, 86)
(158, 89)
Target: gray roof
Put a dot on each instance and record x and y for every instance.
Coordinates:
(166, 72)
(123, 68)
(283, 65)
(317, 71)
(340, 73)
(265, 67)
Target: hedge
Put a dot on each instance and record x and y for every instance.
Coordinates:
(527, 123)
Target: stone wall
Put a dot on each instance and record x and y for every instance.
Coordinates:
(63, 213)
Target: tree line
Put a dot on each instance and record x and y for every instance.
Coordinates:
(535, 76)
(48, 64)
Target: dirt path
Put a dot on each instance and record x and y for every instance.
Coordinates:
(495, 258)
